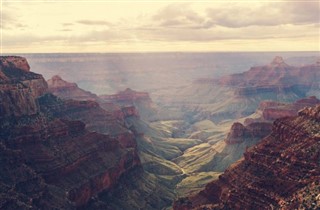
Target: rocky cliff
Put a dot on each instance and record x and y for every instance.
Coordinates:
(277, 73)
(129, 98)
(67, 90)
(117, 106)
(239, 95)
(254, 131)
(281, 172)
(22, 188)
(277, 77)
(273, 110)
(49, 158)
(19, 87)
(113, 115)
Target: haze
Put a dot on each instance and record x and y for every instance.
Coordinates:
(158, 26)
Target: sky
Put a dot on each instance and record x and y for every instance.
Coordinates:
(34, 26)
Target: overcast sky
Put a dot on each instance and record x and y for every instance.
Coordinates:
(138, 26)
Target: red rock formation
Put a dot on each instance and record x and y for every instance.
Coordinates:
(123, 104)
(89, 112)
(278, 62)
(67, 90)
(126, 96)
(129, 98)
(276, 81)
(22, 188)
(71, 158)
(276, 73)
(273, 110)
(281, 172)
(19, 88)
(58, 162)
(14, 61)
(254, 131)
(277, 77)
(237, 134)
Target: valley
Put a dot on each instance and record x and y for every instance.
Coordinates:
(146, 146)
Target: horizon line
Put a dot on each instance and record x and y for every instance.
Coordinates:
(146, 52)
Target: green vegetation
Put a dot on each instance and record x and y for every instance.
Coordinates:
(181, 143)
(158, 165)
(195, 182)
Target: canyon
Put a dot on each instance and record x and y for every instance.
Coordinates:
(51, 160)
(281, 172)
(66, 147)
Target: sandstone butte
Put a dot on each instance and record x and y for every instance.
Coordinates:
(56, 154)
(277, 73)
(127, 96)
(67, 90)
(129, 99)
(280, 172)
(276, 77)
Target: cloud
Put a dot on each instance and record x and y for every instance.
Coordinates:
(94, 22)
(9, 21)
(29, 39)
(66, 29)
(303, 12)
(67, 24)
(238, 15)
(226, 21)
(267, 14)
(178, 23)
(220, 33)
(241, 17)
(180, 16)
(101, 35)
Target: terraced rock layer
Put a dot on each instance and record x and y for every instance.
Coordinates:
(49, 159)
(282, 171)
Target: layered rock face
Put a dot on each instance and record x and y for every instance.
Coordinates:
(277, 77)
(67, 90)
(22, 188)
(281, 172)
(273, 110)
(49, 159)
(15, 62)
(276, 73)
(239, 95)
(89, 112)
(19, 87)
(276, 81)
(127, 102)
(254, 131)
(130, 98)
(103, 117)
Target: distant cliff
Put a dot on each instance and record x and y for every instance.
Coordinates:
(239, 95)
(275, 78)
(282, 171)
(277, 73)
(67, 90)
(129, 98)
